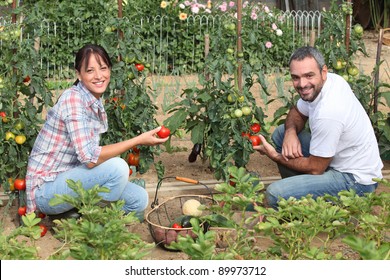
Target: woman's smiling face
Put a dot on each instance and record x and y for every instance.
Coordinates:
(95, 75)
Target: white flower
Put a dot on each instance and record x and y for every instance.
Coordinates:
(182, 6)
(279, 32)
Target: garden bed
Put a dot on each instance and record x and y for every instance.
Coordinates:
(178, 165)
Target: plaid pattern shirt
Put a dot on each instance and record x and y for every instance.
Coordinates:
(70, 137)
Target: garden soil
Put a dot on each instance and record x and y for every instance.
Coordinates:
(177, 164)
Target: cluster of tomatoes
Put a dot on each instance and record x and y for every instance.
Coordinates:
(252, 135)
(19, 137)
(20, 185)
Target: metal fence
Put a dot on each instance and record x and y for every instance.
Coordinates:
(305, 24)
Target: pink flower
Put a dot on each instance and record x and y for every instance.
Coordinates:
(274, 26)
(245, 4)
(266, 9)
(268, 45)
(195, 9)
(253, 16)
(231, 4)
(187, 3)
(223, 7)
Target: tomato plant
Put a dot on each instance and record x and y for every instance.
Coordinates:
(164, 132)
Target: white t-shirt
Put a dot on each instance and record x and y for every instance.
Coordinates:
(341, 129)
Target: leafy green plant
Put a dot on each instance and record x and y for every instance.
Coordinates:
(101, 232)
(20, 243)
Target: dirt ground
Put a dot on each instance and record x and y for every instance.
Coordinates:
(177, 165)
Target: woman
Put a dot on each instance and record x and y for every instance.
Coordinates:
(67, 146)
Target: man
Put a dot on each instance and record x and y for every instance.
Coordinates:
(339, 153)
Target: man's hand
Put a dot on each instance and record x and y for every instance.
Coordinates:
(291, 147)
(266, 148)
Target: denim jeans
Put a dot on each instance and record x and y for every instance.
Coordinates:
(113, 174)
(330, 182)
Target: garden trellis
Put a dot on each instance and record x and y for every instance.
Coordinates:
(167, 54)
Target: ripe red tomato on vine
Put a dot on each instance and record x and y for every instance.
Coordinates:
(22, 210)
(255, 128)
(140, 67)
(43, 230)
(133, 159)
(20, 184)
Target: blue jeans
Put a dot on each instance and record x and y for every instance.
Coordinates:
(330, 182)
(113, 174)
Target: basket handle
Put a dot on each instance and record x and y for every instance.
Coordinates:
(178, 178)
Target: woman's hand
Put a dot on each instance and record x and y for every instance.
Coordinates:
(150, 138)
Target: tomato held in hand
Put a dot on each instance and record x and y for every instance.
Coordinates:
(20, 184)
(255, 139)
(255, 128)
(43, 230)
(164, 132)
(22, 210)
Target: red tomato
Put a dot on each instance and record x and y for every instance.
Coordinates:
(41, 215)
(20, 184)
(245, 134)
(26, 79)
(136, 150)
(3, 114)
(140, 67)
(164, 132)
(255, 128)
(255, 139)
(133, 159)
(130, 172)
(43, 230)
(22, 210)
(176, 225)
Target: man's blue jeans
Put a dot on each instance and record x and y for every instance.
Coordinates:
(299, 185)
(113, 174)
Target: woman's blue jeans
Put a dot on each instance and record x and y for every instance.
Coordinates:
(113, 174)
(299, 185)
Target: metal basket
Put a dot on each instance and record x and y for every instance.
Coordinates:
(163, 215)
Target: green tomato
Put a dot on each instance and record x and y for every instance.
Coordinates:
(353, 71)
(230, 51)
(231, 98)
(358, 29)
(238, 113)
(338, 64)
(246, 110)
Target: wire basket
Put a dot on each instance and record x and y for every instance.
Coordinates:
(163, 215)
